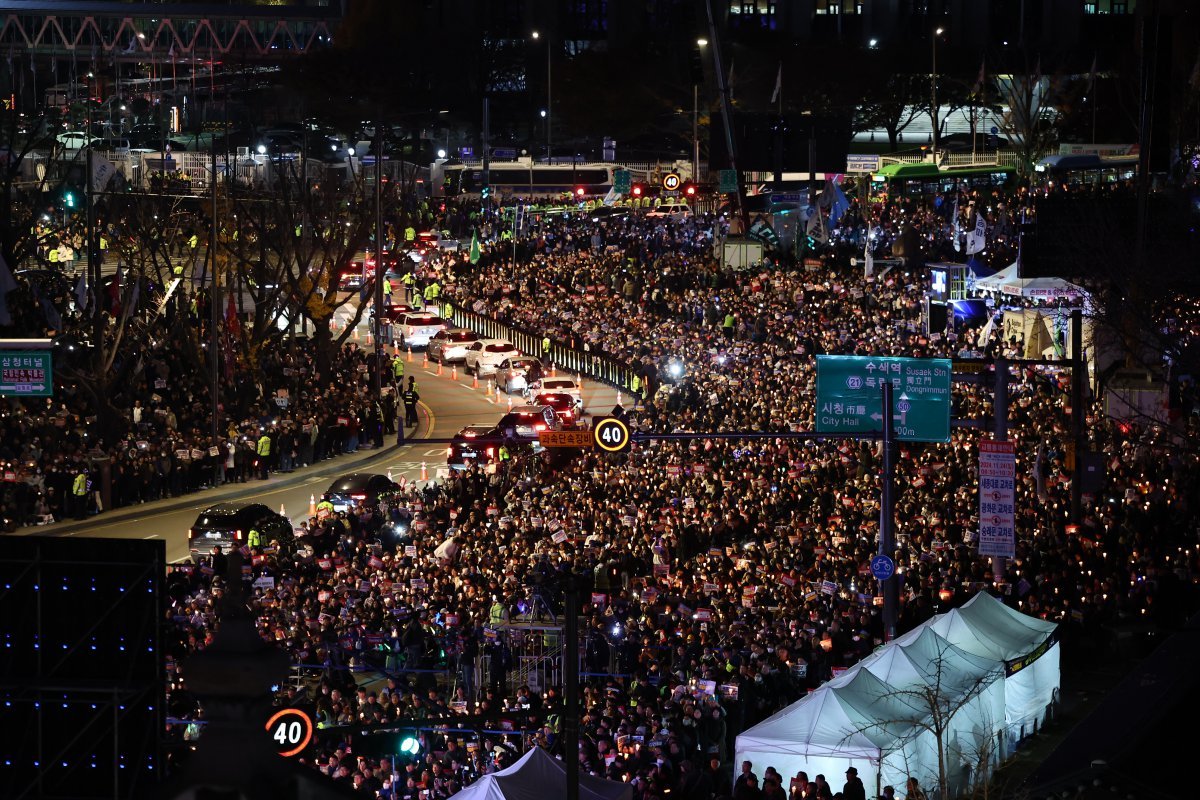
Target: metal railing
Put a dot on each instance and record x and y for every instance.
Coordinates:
(588, 364)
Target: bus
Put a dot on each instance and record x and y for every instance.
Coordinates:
(1087, 168)
(925, 178)
(525, 178)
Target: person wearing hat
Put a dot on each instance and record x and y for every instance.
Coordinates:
(854, 789)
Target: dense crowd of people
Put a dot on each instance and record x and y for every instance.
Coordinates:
(721, 580)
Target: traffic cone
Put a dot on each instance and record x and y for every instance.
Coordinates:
(453, 372)
(551, 369)
(312, 505)
(282, 512)
(475, 381)
(424, 472)
(439, 372)
(389, 474)
(356, 333)
(510, 402)
(491, 389)
(425, 360)
(410, 355)
(620, 398)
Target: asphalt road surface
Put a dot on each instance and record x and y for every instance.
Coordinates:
(448, 405)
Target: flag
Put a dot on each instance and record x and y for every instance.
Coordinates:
(473, 255)
(840, 204)
(102, 172)
(233, 326)
(1092, 76)
(957, 227)
(977, 89)
(81, 292)
(815, 226)
(977, 240)
(135, 296)
(778, 84)
(53, 318)
(7, 284)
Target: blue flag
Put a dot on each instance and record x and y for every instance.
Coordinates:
(839, 207)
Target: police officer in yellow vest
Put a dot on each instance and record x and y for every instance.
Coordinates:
(545, 346)
(432, 292)
(264, 454)
(448, 311)
(635, 388)
(503, 453)
(397, 369)
(79, 489)
(408, 280)
(324, 509)
(254, 538)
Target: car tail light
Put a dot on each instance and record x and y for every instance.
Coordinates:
(541, 426)
(238, 535)
(358, 497)
(449, 452)
(191, 533)
(491, 451)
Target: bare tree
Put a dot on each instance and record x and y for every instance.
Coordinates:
(1029, 121)
(894, 107)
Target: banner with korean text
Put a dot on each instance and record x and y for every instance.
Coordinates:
(997, 492)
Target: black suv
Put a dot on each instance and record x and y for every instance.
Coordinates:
(365, 487)
(474, 444)
(229, 525)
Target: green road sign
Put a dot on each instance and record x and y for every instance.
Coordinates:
(727, 181)
(26, 373)
(850, 396)
(622, 181)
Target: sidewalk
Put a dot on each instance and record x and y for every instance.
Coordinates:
(337, 465)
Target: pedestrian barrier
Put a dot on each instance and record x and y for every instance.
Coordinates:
(583, 362)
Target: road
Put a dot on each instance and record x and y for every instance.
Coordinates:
(449, 405)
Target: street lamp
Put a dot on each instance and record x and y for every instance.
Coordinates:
(933, 107)
(549, 94)
(701, 44)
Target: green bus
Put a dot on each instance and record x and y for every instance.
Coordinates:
(925, 178)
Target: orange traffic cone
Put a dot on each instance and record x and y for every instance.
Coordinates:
(410, 355)
(620, 399)
(439, 372)
(389, 474)
(312, 505)
(490, 389)
(282, 512)
(425, 360)
(510, 402)
(475, 381)
(356, 333)
(551, 369)
(424, 472)
(453, 372)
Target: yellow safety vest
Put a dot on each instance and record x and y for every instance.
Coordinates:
(264, 445)
(80, 485)
(253, 539)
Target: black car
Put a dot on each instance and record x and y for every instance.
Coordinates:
(229, 525)
(563, 405)
(474, 444)
(359, 487)
(523, 423)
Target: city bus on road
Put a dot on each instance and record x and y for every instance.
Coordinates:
(523, 178)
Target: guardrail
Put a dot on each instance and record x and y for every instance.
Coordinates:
(588, 364)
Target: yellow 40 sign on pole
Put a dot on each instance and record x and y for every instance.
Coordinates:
(612, 435)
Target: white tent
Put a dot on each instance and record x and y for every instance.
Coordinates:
(1008, 281)
(1028, 646)
(538, 776)
(876, 716)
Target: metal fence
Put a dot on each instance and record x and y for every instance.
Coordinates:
(588, 364)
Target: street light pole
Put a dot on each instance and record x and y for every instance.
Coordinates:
(700, 43)
(933, 107)
(549, 96)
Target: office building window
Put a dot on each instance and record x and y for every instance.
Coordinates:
(838, 7)
(1089, 8)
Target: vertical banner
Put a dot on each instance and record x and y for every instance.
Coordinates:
(997, 490)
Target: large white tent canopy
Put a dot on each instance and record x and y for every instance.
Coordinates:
(990, 671)
(1008, 281)
(539, 776)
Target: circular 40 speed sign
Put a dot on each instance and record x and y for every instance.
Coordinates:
(611, 435)
(290, 729)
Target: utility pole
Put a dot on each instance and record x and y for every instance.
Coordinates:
(727, 116)
(1078, 440)
(887, 516)
(571, 689)
(214, 371)
(380, 269)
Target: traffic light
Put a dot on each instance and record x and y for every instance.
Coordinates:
(485, 193)
(580, 191)
(638, 190)
(689, 189)
(69, 199)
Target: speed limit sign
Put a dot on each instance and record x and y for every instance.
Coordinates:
(290, 729)
(670, 181)
(612, 435)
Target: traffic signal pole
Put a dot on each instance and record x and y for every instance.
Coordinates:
(887, 515)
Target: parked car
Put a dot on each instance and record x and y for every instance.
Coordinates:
(359, 487)
(474, 444)
(229, 525)
(417, 328)
(563, 405)
(485, 356)
(515, 374)
(671, 211)
(451, 345)
(566, 386)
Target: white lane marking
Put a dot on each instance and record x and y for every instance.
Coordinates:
(151, 536)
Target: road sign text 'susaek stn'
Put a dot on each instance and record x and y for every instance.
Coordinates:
(850, 396)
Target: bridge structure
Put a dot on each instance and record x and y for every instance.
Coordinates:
(139, 32)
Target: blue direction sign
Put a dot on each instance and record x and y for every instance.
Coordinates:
(850, 396)
(882, 567)
(26, 373)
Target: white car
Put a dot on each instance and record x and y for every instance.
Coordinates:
(73, 141)
(559, 386)
(451, 345)
(671, 211)
(417, 328)
(513, 374)
(485, 356)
